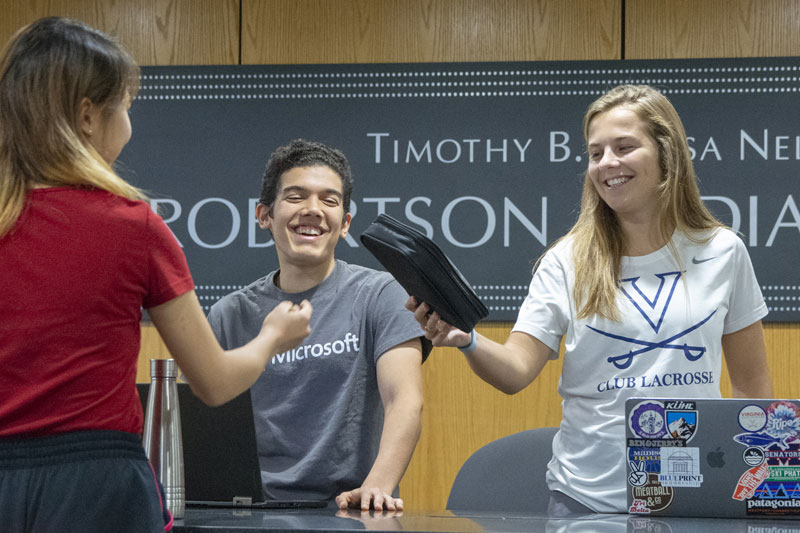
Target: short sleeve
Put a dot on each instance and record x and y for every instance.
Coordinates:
(168, 272)
(391, 322)
(545, 312)
(215, 321)
(746, 304)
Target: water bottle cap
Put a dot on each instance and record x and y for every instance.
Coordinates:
(163, 368)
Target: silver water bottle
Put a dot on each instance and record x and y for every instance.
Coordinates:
(162, 439)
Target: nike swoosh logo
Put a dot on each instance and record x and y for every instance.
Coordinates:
(697, 261)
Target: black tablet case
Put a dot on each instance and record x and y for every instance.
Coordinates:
(424, 271)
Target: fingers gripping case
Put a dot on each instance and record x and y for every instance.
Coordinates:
(424, 271)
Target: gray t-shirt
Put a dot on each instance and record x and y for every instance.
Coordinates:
(318, 412)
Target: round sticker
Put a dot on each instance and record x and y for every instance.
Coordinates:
(647, 420)
(653, 495)
(752, 418)
(783, 421)
(753, 456)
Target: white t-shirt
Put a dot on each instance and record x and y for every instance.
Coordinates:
(667, 344)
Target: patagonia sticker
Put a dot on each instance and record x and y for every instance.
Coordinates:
(775, 498)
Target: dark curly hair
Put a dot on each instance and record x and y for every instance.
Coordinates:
(303, 153)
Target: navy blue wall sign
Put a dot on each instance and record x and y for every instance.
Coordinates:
(487, 159)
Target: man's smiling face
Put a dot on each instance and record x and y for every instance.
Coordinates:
(307, 218)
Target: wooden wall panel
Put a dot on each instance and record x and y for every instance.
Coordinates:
(660, 29)
(783, 356)
(390, 31)
(156, 32)
(152, 347)
(447, 370)
(462, 413)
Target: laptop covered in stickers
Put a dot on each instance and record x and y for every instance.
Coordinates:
(723, 458)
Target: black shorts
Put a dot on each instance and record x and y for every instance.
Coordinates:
(84, 481)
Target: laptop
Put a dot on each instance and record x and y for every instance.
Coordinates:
(220, 458)
(722, 458)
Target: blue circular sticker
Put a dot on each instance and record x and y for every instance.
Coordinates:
(647, 420)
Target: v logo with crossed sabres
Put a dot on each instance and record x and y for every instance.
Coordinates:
(653, 310)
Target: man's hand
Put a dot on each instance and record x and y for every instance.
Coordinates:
(364, 496)
(374, 520)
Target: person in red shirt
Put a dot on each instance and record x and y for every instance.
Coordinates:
(81, 254)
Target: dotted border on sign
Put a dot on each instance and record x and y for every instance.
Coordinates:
(495, 83)
(378, 85)
(451, 84)
(776, 303)
(459, 73)
(458, 94)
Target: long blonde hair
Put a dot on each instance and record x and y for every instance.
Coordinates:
(46, 70)
(598, 242)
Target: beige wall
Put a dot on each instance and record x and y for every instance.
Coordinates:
(461, 412)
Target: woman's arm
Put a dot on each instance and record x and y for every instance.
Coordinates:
(508, 367)
(215, 375)
(746, 358)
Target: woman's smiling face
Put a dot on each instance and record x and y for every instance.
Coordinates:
(624, 163)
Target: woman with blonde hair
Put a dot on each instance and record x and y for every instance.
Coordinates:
(647, 290)
(80, 255)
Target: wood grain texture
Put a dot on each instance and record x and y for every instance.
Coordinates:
(462, 413)
(661, 29)
(390, 31)
(152, 347)
(156, 32)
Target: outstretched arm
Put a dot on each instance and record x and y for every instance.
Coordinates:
(508, 367)
(746, 358)
(215, 375)
(400, 385)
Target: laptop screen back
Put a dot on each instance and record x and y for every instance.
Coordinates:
(220, 460)
(713, 457)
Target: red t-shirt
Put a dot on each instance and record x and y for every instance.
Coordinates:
(74, 274)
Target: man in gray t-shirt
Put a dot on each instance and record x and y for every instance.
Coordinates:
(338, 416)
